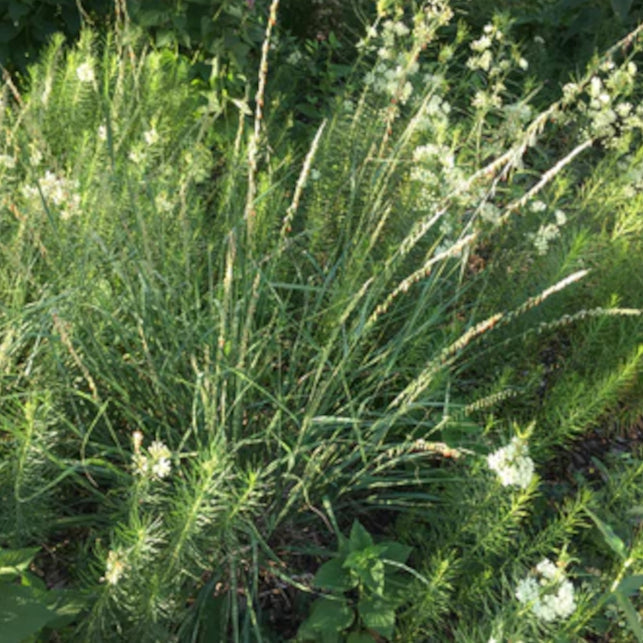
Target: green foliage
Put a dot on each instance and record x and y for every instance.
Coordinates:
(226, 34)
(26, 605)
(372, 571)
(27, 25)
(625, 585)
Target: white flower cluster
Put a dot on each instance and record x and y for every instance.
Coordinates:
(295, 57)
(157, 461)
(434, 175)
(512, 464)
(433, 116)
(114, 567)
(547, 232)
(435, 14)
(485, 101)
(610, 116)
(151, 136)
(397, 46)
(58, 190)
(7, 161)
(389, 75)
(490, 212)
(547, 591)
(85, 72)
(162, 202)
(483, 57)
(492, 57)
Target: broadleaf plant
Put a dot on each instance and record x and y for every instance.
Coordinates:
(360, 581)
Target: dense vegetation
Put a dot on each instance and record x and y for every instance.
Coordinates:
(324, 335)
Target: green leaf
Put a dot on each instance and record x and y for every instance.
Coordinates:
(397, 551)
(368, 566)
(15, 561)
(22, 613)
(378, 615)
(28, 579)
(329, 615)
(630, 584)
(334, 577)
(631, 615)
(359, 538)
(616, 544)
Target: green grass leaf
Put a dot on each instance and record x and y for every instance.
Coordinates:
(610, 536)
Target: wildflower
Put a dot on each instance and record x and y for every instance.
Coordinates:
(483, 100)
(595, 86)
(547, 591)
(136, 155)
(114, 568)
(140, 464)
(151, 136)
(512, 464)
(537, 206)
(483, 61)
(7, 161)
(570, 90)
(156, 462)
(295, 58)
(160, 456)
(489, 212)
(162, 203)
(400, 29)
(624, 109)
(35, 155)
(61, 192)
(85, 72)
(102, 132)
(158, 450)
(545, 235)
(561, 217)
(161, 468)
(481, 44)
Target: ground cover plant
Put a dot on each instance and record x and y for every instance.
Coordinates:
(381, 386)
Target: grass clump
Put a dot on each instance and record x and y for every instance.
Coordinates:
(221, 353)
